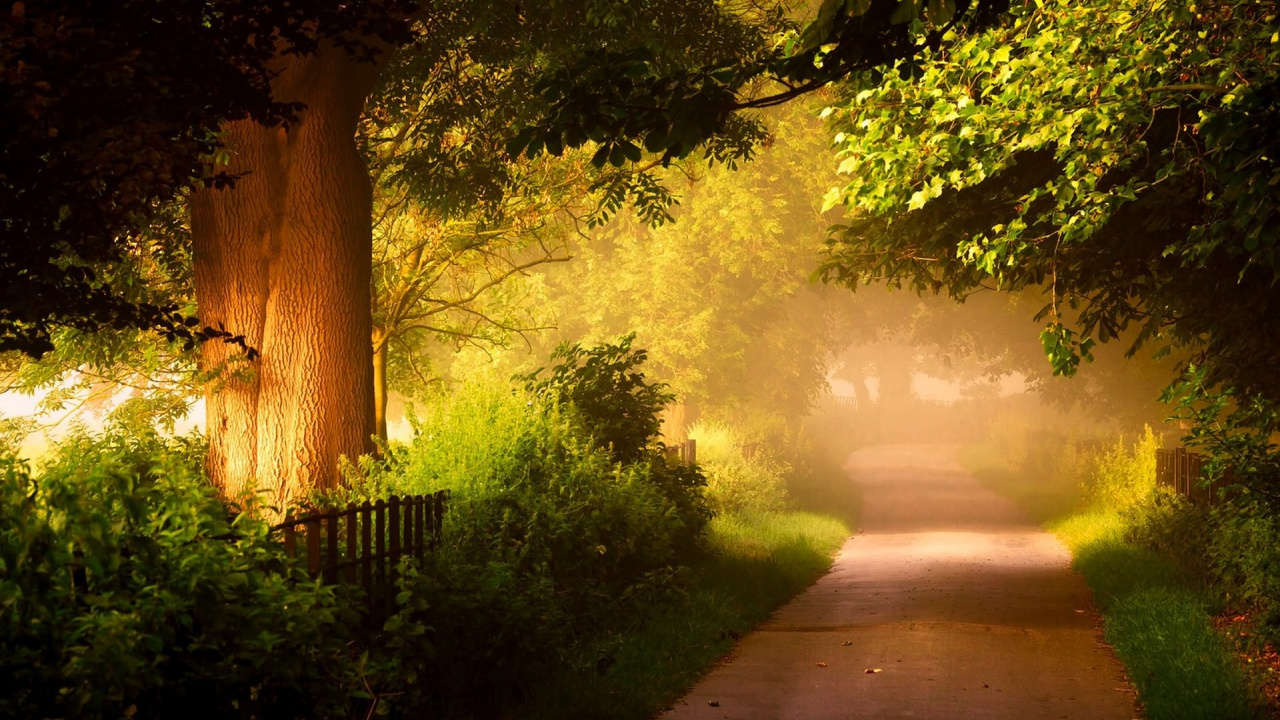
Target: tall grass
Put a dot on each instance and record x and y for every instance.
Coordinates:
(737, 483)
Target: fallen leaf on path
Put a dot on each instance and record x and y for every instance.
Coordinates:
(873, 671)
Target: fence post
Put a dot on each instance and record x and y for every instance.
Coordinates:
(380, 539)
(393, 521)
(437, 515)
(353, 552)
(424, 513)
(313, 546)
(331, 547)
(290, 537)
(1180, 471)
(366, 543)
(409, 521)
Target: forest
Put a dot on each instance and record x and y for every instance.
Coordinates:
(625, 289)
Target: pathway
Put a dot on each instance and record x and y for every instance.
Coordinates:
(950, 605)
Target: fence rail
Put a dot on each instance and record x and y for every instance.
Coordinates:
(1182, 472)
(362, 544)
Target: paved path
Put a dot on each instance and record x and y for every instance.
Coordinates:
(968, 610)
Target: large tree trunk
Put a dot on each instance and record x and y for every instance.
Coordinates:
(284, 259)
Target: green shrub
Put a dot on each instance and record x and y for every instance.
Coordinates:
(1243, 552)
(529, 491)
(737, 483)
(617, 407)
(1124, 477)
(546, 536)
(182, 610)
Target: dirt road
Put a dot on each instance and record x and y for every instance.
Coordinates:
(956, 603)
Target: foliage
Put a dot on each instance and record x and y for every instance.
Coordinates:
(181, 607)
(1237, 429)
(609, 394)
(739, 484)
(1115, 155)
(1241, 547)
(546, 536)
(109, 114)
(720, 298)
(1122, 477)
(621, 100)
(460, 220)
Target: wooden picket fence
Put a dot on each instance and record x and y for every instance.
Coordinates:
(1181, 471)
(685, 452)
(362, 544)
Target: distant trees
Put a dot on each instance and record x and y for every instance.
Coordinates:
(721, 296)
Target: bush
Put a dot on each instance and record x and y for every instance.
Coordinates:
(737, 483)
(529, 491)
(612, 400)
(181, 609)
(1124, 478)
(545, 537)
(1243, 553)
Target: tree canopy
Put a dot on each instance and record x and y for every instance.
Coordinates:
(111, 111)
(1119, 155)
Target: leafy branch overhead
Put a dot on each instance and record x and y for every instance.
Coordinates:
(107, 115)
(1118, 155)
(628, 102)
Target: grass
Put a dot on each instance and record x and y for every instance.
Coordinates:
(1156, 616)
(754, 564)
(1159, 621)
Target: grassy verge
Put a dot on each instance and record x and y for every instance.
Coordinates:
(1157, 617)
(1160, 622)
(755, 563)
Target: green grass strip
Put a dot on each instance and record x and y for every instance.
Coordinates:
(756, 564)
(1155, 616)
(1159, 623)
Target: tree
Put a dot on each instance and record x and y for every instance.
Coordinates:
(281, 227)
(1119, 156)
(720, 296)
(111, 112)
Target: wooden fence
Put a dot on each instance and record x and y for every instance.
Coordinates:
(685, 452)
(1182, 471)
(363, 544)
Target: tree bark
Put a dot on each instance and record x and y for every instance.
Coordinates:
(284, 259)
(380, 341)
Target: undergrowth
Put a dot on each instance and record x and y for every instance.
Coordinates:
(1158, 608)
(580, 572)
(753, 564)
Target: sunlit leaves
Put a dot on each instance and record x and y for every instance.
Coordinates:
(1118, 154)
